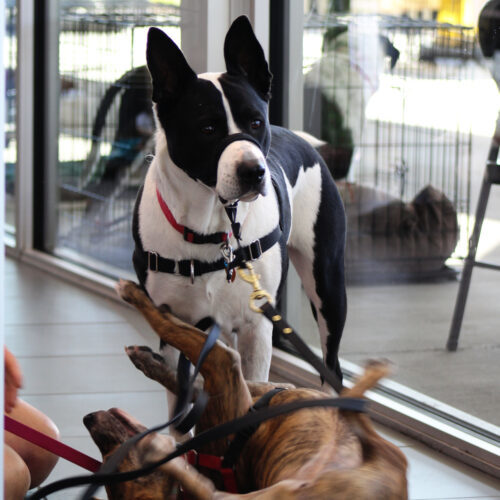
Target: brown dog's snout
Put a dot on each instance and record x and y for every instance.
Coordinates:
(251, 173)
(89, 420)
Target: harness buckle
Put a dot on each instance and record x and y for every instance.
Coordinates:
(228, 255)
(191, 271)
(227, 252)
(255, 251)
(155, 255)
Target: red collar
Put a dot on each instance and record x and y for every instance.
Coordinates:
(214, 462)
(189, 234)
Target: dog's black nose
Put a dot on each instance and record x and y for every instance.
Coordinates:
(251, 173)
(88, 420)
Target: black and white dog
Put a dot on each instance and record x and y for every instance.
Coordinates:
(215, 147)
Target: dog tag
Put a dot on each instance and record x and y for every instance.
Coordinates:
(228, 255)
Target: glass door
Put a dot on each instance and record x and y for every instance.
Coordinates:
(10, 146)
(103, 127)
(404, 108)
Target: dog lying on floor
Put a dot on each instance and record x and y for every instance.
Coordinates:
(312, 453)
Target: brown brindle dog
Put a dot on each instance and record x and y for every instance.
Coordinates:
(320, 453)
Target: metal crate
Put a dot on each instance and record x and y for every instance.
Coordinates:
(373, 94)
(106, 127)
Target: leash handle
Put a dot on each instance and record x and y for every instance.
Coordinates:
(186, 385)
(50, 444)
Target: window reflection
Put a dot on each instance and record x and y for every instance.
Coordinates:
(405, 108)
(106, 124)
(10, 152)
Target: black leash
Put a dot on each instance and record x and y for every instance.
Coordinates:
(215, 433)
(245, 433)
(183, 420)
(186, 385)
(304, 350)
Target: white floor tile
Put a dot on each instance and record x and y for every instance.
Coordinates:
(68, 410)
(435, 476)
(83, 374)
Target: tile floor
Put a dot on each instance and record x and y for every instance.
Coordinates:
(70, 345)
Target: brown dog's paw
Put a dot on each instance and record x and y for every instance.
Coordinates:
(129, 291)
(153, 365)
(145, 359)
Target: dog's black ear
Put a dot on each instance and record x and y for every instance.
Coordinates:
(169, 69)
(244, 56)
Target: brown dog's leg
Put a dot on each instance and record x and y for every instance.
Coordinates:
(374, 371)
(154, 366)
(223, 378)
(222, 366)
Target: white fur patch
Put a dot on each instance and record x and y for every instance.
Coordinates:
(306, 200)
(214, 78)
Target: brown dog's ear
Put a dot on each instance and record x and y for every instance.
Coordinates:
(244, 56)
(169, 69)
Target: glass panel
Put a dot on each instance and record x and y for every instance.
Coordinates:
(106, 124)
(10, 152)
(406, 108)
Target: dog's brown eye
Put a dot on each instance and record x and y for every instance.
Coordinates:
(255, 124)
(208, 129)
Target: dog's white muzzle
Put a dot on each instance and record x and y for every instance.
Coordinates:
(242, 172)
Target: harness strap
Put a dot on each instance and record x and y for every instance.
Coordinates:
(243, 435)
(50, 444)
(192, 268)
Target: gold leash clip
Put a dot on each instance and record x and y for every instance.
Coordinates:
(258, 293)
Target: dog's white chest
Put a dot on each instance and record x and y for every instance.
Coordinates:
(210, 294)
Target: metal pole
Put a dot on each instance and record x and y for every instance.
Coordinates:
(470, 260)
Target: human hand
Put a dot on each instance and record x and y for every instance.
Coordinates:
(13, 380)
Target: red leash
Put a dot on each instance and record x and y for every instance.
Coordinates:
(50, 444)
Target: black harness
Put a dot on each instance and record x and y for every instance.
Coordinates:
(192, 268)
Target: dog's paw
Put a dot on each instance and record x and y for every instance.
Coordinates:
(143, 357)
(381, 368)
(129, 291)
(153, 365)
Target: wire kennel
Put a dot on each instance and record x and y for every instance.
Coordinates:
(382, 93)
(106, 127)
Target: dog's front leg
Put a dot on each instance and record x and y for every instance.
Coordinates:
(182, 336)
(255, 345)
(223, 378)
(155, 367)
